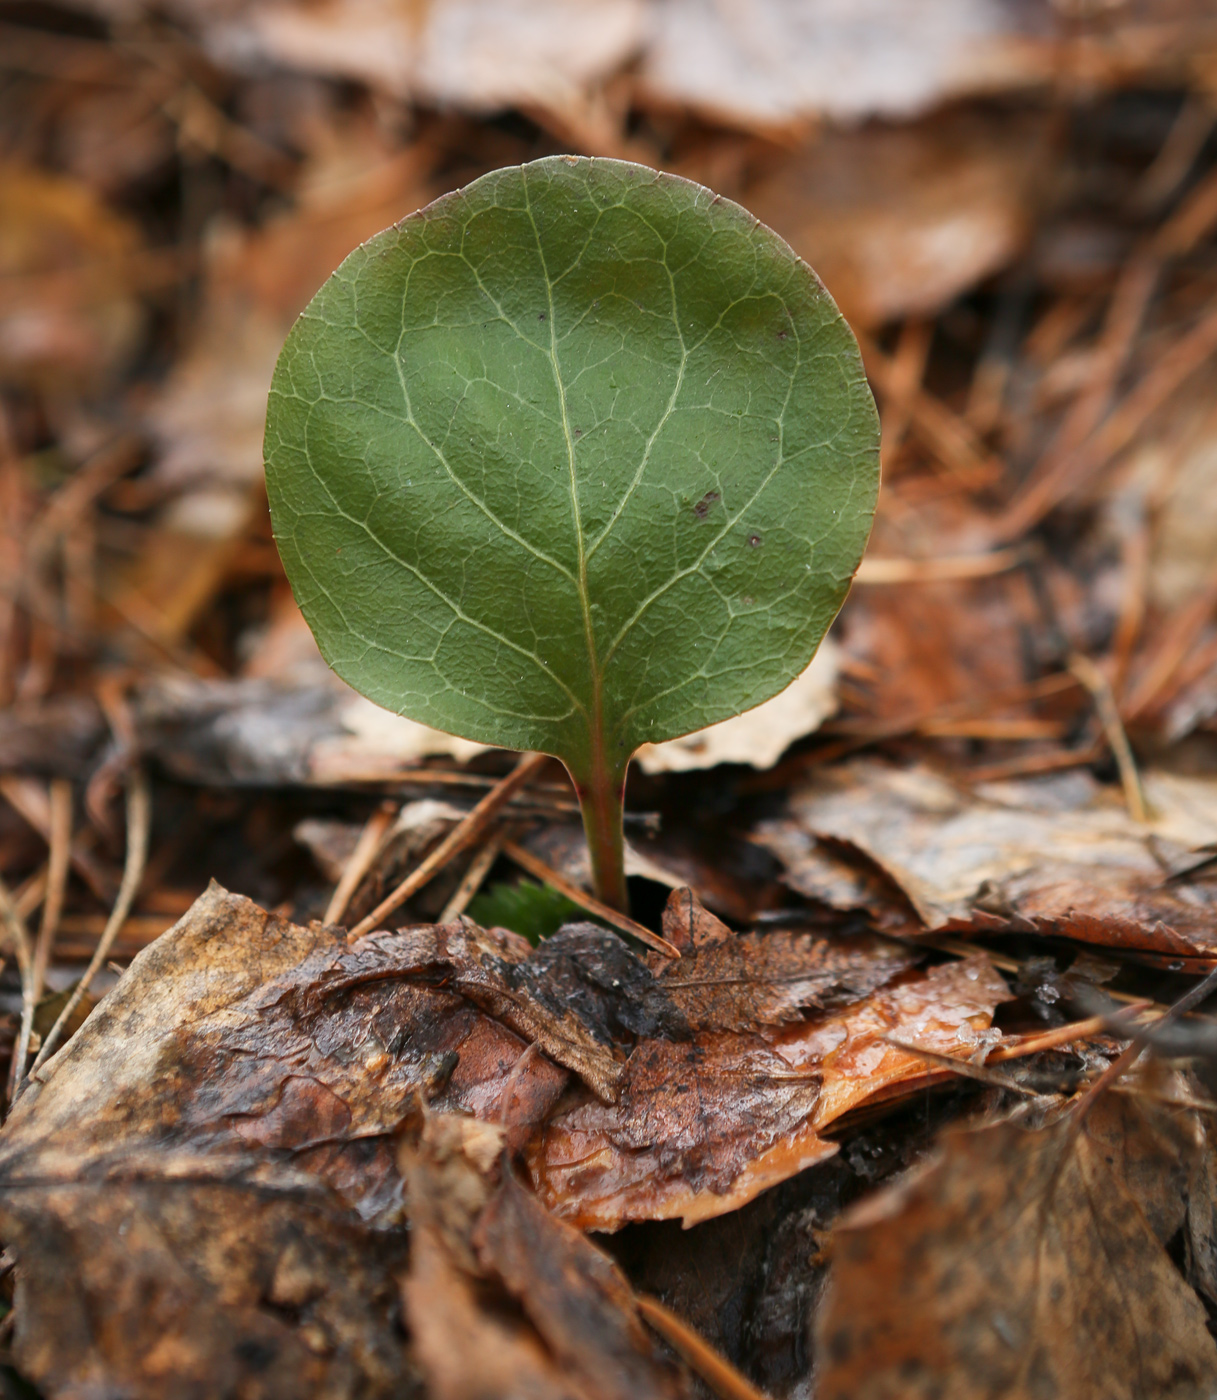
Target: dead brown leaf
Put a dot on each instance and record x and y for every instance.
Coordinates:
(898, 221)
(505, 1301)
(1057, 853)
(1018, 1263)
(193, 1278)
(704, 1126)
(213, 1153)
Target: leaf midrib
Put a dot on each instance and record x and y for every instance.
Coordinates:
(596, 718)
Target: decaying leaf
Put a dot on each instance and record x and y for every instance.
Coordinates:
(504, 1301)
(215, 1156)
(1018, 1263)
(1057, 853)
(213, 1152)
(196, 1278)
(229, 1117)
(704, 1125)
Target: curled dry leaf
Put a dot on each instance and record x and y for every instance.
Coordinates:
(703, 1126)
(1058, 854)
(481, 1244)
(1019, 1263)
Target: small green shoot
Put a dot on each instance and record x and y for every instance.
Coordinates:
(527, 908)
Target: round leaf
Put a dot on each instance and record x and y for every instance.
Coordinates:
(578, 457)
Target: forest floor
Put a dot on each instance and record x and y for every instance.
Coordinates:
(925, 1108)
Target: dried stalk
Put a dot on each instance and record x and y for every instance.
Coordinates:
(536, 866)
(464, 834)
(60, 839)
(139, 821)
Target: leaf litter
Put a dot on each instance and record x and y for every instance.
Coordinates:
(1020, 1262)
(838, 1136)
(1056, 853)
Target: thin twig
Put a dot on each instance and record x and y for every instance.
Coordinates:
(1053, 762)
(940, 429)
(58, 865)
(903, 381)
(27, 798)
(16, 934)
(139, 822)
(30, 893)
(1109, 717)
(1125, 1061)
(717, 1372)
(1177, 155)
(1016, 1048)
(874, 570)
(57, 879)
(536, 866)
(1176, 641)
(359, 862)
(471, 881)
(1068, 1034)
(464, 834)
(1079, 451)
(1070, 470)
(962, 1067)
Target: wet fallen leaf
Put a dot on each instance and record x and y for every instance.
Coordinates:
(1057, 853)
(737, 983)
(702, 1126)
(1017, 1263)
(249, 1071)
(214, 1154)
(202, 1277)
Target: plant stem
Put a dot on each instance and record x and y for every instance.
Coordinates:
(602, 800)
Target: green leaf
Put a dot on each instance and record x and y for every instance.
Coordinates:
(532, 910)
(576, 458)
